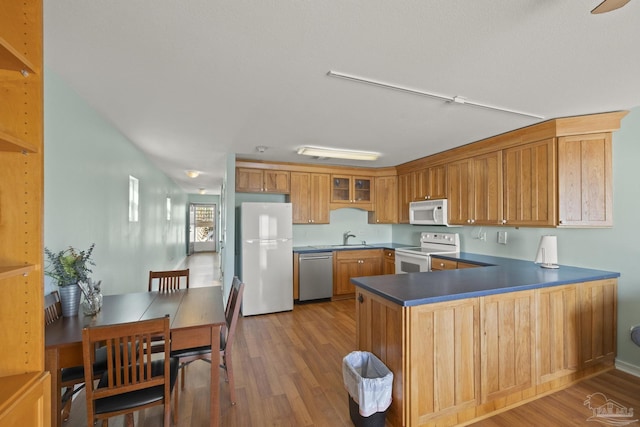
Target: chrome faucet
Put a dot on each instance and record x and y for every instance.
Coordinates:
(345, 237)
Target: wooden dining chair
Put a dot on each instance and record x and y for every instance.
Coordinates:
(73, 378)
(170, 280)
(134, 380)
(227, 333)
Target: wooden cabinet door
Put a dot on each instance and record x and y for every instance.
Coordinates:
(362, 189)
(487, 189)
(460, 191)
(420, 183)
(371, 266)
(530, 184)
(276, 181)
(437, 182)
(310, 198)
(300, 197)
(430, 183)
(507, 349)
(340, 189)
(344, 270)
(557, 332)
(380, 330)
(386, 201)
(598, 317)
(443, 363)
(319, 201)
(388, 261)
(348, 264)
(585, 180)
(30, 402)
(405, 196)
(249, 180)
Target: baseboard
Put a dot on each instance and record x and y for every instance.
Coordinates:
(628, 368)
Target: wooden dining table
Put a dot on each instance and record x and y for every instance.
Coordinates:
(196, 316)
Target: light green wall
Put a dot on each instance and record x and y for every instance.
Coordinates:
(87, 168)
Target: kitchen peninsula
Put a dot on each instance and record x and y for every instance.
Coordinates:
(465, 343)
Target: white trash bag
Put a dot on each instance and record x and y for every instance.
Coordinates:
(368, 381)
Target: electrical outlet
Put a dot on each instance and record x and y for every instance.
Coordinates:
(483, 236)
(502, 237)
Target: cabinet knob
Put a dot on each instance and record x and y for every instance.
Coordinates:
(504, 221)
(442, 264)
(360, 298)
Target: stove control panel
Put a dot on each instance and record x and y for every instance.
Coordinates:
(441, 238)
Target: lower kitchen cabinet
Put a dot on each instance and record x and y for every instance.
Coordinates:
(388, 261)
(348, 264)
(458, 361)
(557, 323)
(507, 347)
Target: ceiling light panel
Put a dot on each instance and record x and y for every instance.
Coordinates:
(337, 153)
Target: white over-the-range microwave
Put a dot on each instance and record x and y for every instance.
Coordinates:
(428, 212)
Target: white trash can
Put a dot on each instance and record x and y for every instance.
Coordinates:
(369, 383)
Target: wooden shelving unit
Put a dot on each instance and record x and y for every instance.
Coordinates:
(25, 390)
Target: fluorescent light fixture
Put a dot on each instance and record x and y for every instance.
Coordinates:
(337, 153)
(547, 255)
(454, 99)
(202, 191)
(192, 173)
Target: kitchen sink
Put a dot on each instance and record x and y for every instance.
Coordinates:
(354, 246)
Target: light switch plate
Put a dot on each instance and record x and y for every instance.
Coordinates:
(502, 237)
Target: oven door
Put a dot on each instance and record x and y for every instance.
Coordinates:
(407, 262)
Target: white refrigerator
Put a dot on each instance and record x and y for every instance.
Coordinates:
(266, 232)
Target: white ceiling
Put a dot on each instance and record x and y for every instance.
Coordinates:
(190, 81)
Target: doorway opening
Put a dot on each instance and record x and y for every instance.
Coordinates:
(202, 228)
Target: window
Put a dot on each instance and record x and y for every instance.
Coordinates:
(133, 199)
(168, 208)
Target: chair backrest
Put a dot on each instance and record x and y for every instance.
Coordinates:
(129, 357)
(52, 307)
(232, 312)
(169, 280)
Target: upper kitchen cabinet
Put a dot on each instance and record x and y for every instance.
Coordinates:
(249, 180)
(26, 391)
(584, 180)
(430, 183)
(475, 190)
(352, 192)
(530, 184)
(310, 197)
(386, 201)
(405, 196)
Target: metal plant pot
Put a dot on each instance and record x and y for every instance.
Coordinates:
(70, 300)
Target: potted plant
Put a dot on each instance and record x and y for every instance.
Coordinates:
(69, 268)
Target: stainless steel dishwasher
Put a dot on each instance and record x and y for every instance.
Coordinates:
(315, 276)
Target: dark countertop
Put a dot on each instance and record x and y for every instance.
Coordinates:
(497, 275)
(353, 247)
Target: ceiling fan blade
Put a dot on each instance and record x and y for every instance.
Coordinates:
(609, 5)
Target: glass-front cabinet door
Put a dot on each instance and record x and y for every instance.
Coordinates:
(351, 189)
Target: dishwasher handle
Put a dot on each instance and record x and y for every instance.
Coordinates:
(305, 258)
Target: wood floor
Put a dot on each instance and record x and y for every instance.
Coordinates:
(288, 370)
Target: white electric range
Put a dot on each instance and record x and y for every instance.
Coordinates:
(417, 259)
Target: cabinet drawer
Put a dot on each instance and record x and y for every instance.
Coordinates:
(443, 264)
(389, 254)
(462, 264)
